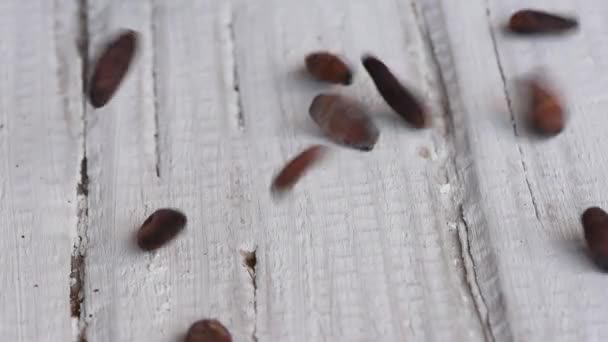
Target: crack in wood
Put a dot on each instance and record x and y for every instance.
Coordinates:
(153, 30)
(232, 58)
(76, 283)
(471, 284)
(457, 176)
(83, 184)
(250, 261)
(511, 111)
(77, 273)
(471, 275)
(529, 186)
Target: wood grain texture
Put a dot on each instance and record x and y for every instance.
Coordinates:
(467, 231)
(39, 149)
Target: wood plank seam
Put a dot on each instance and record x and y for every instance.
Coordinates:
(470, 276)
(80, 241)
(444, 63)
(510, 107)
(466, 257)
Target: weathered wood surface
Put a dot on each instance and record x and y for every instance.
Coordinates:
(466, 231)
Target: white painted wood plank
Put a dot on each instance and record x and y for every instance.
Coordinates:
(201, 170)
(40, 138)
(523, 195)
(177, 82)
(121, 171)
(367, 246)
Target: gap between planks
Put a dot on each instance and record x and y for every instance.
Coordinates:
(80, 241)
(435, 34)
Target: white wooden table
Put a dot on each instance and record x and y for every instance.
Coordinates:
(467, 231)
